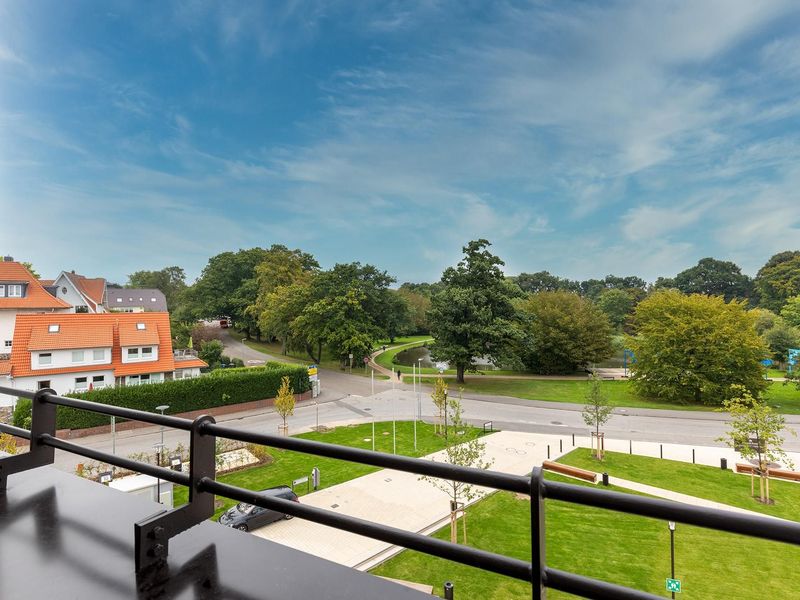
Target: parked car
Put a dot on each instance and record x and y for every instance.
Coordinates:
(247, 517)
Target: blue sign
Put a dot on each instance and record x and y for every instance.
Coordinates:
(766, 362)
(793, 356)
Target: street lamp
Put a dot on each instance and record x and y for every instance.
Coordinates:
(161, 409)
(672, 549)
(157, 448)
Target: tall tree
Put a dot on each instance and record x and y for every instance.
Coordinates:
(778, 280)
(791, 311)
(693, 348)
(473, 316)
(618, 306)
(714, 277)
(543, 281)
(170, 280)
(418, 306)
(756, 433)
(564, 332)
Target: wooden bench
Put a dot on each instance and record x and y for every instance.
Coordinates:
(583, 474)
(774, 473)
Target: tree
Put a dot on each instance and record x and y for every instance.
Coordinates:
(284, 403)
(692, 348)
(278, 311)
(714, 277)
(543, 281)
(564, 332)
(418, 306)
(765, 320)
(781, 339)
(398, 315)
(756, 433)
(468, 453)
(596, 411)
(439, 397)
(170, 280)
(617, 305)
(211, 352)
(778, 280)
(473, 316)
(791, 311)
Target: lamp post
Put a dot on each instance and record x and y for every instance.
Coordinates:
(157, 448)
(672, 549)
(161, 409)
(445, 416)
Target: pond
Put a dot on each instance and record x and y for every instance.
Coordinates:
(410, 357)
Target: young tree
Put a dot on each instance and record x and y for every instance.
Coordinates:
(468, 453)
(692, 348)
(473, 315)
(284, 403)
(756, 434)
(439, 397)
(597, 411)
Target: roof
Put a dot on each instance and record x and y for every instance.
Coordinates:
(70, 335)
(135, 298)
(130, 334)
(92, 289)
(36, 296)
(5, 367)
(46, 282)
(191, 362)
(28, 327)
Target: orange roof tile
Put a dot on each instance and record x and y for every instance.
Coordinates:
(5, 367)
(130, 335)
(70, 335)
(190, 363)
(36, 296)
(46, 282)
(92, 289)
(27, 324)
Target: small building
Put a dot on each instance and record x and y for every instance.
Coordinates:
(135, 300)
(157, 490)
(84, 294)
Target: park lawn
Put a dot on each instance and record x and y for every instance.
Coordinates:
(784, 398)
(711, 483)
(288, 465)
(623, 549)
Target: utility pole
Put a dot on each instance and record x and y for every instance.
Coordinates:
(672, 549)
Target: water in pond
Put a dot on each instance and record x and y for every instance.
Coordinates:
(412, 355)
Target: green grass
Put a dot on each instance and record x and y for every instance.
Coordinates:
(623, 549)
(776, 373)
(711, 483)
(288, 465)
(785, 398)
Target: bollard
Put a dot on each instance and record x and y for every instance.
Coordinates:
(693, 456)
(630, 446)
(548, 451)
(723, 464)
(573, 440)
(448, 590)
(560, 445)
(661, 450)
(605, 479)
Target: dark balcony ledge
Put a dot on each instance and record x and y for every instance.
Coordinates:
(65, 537)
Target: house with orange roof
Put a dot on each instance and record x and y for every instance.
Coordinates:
(85, 294)
(81, 351)
(21, 293)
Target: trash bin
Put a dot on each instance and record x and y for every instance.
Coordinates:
(448, 590)
(723, 464)
(605, 479)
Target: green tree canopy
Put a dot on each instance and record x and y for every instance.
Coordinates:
(715, 278)
(170, 280)
(791, 311)
(418, 306)
(473, 316)
(564, 332)
(618, 305)
(693, 348)
(778, 280)
(543, 281)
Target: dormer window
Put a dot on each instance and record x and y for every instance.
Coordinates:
(53, 328)
(140, 326)
(14, 291)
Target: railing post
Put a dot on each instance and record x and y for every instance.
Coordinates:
(43, 420)
(538, 541)
(151, 536)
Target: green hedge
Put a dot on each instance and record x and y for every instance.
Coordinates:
(224, 387)
(271, 365)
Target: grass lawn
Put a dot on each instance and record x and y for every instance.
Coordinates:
(702, 481)
(623, 549)
(785, 398)
(288, 465)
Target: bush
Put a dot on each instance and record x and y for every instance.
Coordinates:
(22, 413)
(224, 387)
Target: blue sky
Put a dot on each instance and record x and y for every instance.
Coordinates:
(582, 138)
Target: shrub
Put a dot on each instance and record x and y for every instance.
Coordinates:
(224, 387)
(22, 413)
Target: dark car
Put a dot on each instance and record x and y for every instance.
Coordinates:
(246, 517)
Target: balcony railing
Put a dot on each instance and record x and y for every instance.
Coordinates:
(152, 535)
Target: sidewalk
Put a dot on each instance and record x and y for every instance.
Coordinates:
(398, 499)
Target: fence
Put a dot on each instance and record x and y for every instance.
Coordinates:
(152, 535)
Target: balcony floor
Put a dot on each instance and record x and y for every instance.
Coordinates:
(65, 537)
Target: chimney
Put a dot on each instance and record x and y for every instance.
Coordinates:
(8, 259)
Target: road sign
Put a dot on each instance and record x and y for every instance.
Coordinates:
(766, 362)
(674, 585)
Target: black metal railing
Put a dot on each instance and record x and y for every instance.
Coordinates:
(152, 535)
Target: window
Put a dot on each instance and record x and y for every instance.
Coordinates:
(45, 358)
(15, 291)
(119, 299)
(133, 353)
(145, 378)
(140, 326)
(53, 328)
(8, 343)
(2, 290)
(140, 299)
(98, 354)
(82, 308)
(77, 356)
(99, 379)
(152, 300)
(41, 385)
(147, 352)
(80, 383)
